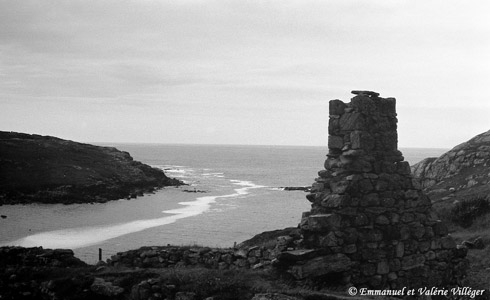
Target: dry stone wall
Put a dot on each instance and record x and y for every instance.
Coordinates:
(368, 212)
(214, 258)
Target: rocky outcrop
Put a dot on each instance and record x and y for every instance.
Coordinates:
(46, 169)
(462, 172)
(38, 257)
(370, 225)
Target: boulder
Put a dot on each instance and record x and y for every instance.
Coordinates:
(104, 288)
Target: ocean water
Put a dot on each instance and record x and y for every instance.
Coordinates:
(237, 195)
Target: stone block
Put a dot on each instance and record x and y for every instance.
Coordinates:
(349, 249)
(387, 106)
(362, 140)
(407, 217)
(443, 255)
(383, 267)
(339, 187)
(395, 265)
(394, 218)
(440, 229)
(387, 202)
(350, 235)
(382, 220)
(373, 254)
(365, 186)
(364, 104)
(360, 220)
(329, 240)
(297, 255)
(352, 121)
(430, 255)
(336, 107)
(413, 261)
(371, 199)
(332, 163)
(365, 93)
(376, 281)
(317, 187)
(323, 265)
(403, 168)
(417, 230)
(424, 246)
(335, 201)
(335, 142)
(448, 243)
(334, 126)
(435, 244)
(324, 174)
(323, 222)
(368, 269)
(382, 185)
(392, 276)
(404, 233)
(411, 194)
(351, 153)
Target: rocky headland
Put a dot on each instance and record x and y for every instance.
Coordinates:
(461, 173)
(35, 168)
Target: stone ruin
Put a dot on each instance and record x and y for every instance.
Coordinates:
(370, 224)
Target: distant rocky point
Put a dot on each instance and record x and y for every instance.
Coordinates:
(296, 188)
(35, 168)
(461, 173)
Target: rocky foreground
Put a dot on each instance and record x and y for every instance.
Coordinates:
(249, 272)
(459, 174)
(35, 168)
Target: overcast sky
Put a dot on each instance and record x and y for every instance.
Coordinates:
(241, 72)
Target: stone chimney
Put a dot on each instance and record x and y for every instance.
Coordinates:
(368, 214)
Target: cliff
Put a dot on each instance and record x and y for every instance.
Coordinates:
(460, 173)
(47, 169)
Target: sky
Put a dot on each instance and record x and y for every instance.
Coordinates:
(241, 72)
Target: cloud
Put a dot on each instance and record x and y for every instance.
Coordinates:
(217, 58)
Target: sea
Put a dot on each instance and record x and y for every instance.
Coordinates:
(233, 192)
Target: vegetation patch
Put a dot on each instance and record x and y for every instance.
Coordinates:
(465, 212)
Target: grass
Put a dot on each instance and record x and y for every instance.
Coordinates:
(479, 272)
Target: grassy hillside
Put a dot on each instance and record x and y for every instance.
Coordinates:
(36, 168)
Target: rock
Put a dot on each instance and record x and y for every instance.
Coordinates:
(141, 291)
(448, 174)
(297, 255)
(476, 244)
(274, 296)
(297, 188)
(323, 222)
(322, 265)
(336, 107)
(185, 296)
(101, 287)
(368, 93)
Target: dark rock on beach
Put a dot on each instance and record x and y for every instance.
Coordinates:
(35, 168)
(297, 188)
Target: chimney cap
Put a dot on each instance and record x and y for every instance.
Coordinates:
(368, 93)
